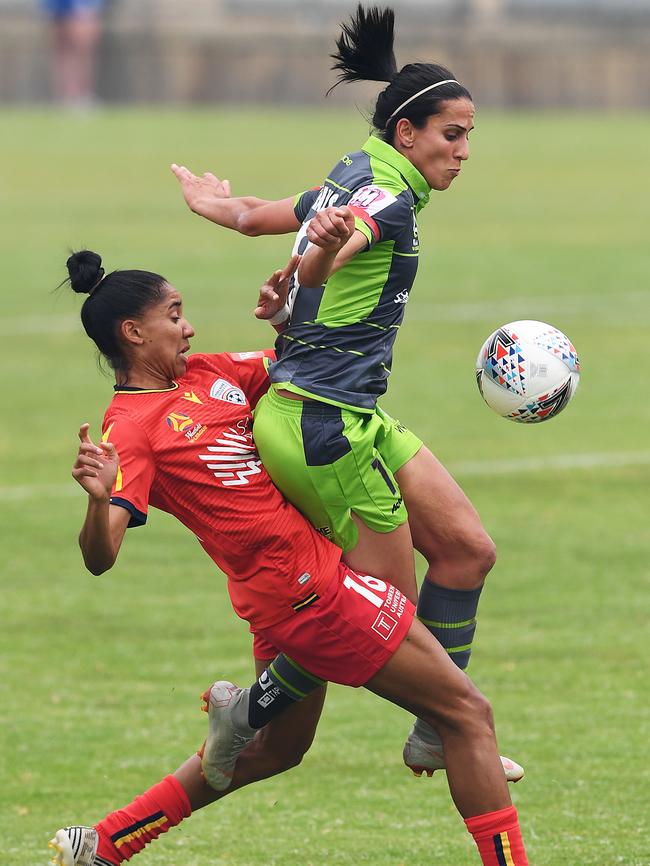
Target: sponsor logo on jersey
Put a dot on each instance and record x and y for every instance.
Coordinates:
(191, 396)
(384, 625)
(416, 237)
(401, 297)
(233, 458)
(184, 424)
(372, 199)
(222, 390)
(326, 198)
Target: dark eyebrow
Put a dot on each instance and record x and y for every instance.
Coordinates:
(175, 304)
(459, 126)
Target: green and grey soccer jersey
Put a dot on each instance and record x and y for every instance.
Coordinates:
(339, 344)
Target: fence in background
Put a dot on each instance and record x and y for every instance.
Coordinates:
(511, 53)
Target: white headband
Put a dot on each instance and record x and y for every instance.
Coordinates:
(419, 93)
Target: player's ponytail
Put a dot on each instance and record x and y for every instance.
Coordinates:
(112, 298)
(365, 47)
(365, 53)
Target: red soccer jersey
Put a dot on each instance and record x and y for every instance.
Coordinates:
(189, 450)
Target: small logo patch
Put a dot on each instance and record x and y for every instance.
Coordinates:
(179, 422)
(384, 625)
(184, 424)
(222, 390)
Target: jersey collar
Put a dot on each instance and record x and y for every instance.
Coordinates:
(130, 389)
(387, 153)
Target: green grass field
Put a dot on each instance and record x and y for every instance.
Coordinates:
(100, 677)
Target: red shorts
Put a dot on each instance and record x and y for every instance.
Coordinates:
(347, 634)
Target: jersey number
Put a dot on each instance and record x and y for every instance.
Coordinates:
(365, 588)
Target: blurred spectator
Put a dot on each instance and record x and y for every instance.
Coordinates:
(76, 30)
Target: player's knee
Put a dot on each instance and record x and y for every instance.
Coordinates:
(484, 554)
(468, 714)
(475, 717)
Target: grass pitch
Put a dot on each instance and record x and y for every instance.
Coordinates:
(100, 677)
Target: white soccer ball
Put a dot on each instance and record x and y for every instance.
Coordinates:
(527, 371)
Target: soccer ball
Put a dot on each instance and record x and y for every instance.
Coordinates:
(527, 371)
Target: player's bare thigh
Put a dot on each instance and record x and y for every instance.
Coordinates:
(386, 555)
(445, 526)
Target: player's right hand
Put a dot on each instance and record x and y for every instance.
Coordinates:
(199, 191)
(331, 228)
(95, 468)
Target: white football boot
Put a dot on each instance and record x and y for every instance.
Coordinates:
(426, 756)
(228, 732)
(76, 846)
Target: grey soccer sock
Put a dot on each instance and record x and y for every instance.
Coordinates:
(450, 616)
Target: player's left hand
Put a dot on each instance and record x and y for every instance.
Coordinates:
(274, 292)
(331, 228)
(199, 190)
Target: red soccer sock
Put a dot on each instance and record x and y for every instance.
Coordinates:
(498, 838)
(126, 831)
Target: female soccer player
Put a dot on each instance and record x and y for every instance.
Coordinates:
(181, 426)
(355, 472)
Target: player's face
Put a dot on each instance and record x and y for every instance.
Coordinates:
(441, 146)
(166, 337)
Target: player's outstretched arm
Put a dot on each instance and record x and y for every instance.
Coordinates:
(210, 197)
(95, 469)
(334, 242)
(272, 300)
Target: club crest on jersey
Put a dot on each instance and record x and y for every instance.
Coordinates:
(222, 390)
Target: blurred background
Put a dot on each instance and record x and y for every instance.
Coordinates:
(537, 53)
(99, 678)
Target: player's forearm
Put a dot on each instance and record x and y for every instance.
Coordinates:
(96, 539)
(231, 213)
(316, 267)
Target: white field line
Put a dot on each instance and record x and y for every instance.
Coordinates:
(626, 306)
(631, 306)
(465, 469)
(557, 462)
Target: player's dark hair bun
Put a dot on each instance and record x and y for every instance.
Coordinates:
(85, 271)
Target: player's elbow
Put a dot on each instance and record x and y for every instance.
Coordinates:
(248, 224)
(96, 567)
(97, 563)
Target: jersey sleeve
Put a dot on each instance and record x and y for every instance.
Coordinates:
(380, 213)
(251, 370)
(304, 201)
(136, 468)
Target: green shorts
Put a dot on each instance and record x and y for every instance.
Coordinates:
(330, 462)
